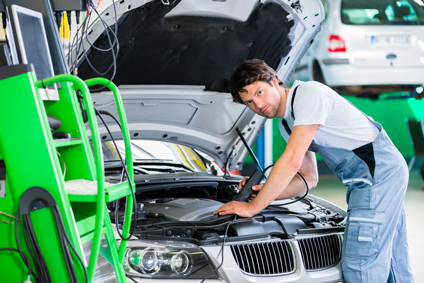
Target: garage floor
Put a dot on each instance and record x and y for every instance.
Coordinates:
(331, 189)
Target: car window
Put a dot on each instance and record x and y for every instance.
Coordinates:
(382, 12)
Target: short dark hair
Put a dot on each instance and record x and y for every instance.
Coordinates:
(249, 72)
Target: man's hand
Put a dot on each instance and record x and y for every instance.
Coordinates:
(240, 208)
(255, 188)
(243, 182)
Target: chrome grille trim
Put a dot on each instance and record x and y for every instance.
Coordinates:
(321, 252)
(269, 258)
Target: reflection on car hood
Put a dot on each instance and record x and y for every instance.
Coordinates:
(175, 61)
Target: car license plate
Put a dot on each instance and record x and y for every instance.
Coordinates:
(391, 40)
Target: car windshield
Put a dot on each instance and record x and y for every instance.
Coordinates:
(382, 12)
(155, 155)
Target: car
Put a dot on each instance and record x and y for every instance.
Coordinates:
(172, 70)
(366, 48)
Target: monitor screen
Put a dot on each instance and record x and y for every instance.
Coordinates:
(31, 47)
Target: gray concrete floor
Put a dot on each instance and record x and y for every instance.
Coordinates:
(332, 190)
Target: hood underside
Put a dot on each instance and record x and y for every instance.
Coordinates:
(196, 43)
(185, 115)
(156, 47)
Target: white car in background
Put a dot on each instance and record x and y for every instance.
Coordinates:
(366, 47)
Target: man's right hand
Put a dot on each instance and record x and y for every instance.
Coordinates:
(243, 182)
(255, 188)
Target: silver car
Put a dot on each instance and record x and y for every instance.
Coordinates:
(367, 47)
(172, 70)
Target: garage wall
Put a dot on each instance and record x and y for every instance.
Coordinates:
(393, 115)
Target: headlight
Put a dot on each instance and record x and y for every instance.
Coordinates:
(180, 262)
(166, 260)
(148, 260)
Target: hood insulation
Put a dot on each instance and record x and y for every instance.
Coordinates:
(190, 50)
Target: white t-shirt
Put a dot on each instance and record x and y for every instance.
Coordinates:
(341, 124)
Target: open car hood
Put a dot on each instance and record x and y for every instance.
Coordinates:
(175, 60)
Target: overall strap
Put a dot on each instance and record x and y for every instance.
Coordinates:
(286, 126)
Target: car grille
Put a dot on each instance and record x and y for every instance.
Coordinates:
(271, 258)
(321, 252)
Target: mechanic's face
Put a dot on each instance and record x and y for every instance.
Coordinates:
(264, 99)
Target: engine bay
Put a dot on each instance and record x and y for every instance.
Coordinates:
(192, 220)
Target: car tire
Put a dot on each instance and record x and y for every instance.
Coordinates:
(317, 74)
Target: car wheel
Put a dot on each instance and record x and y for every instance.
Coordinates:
(317, 73)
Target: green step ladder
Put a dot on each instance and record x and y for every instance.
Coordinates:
(33, 158)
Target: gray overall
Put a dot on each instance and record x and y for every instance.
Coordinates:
(375, 248)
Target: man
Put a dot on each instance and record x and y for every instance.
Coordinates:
(314, 118)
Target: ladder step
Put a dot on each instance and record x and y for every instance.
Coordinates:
(85, 191)
(82, 187)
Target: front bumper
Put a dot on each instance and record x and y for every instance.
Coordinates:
(231, 272)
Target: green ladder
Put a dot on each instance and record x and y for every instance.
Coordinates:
(84, 213)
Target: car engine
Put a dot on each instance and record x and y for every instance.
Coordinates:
(192, 219)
